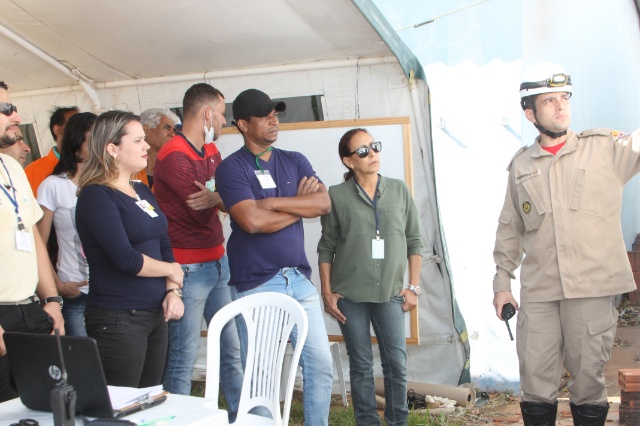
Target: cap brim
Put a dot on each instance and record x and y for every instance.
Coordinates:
(538, 90)
(280, 106)
(267, 108)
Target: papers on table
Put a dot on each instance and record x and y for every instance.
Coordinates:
(123, 396)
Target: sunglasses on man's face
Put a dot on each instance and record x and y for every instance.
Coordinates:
(363, 151)
(7, 109)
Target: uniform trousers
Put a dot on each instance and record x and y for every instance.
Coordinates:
(576, 333)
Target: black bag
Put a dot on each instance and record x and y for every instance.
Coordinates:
(415, 401)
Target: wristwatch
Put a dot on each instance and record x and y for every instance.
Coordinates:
(175, 290)
(415, 289)
(56, 299)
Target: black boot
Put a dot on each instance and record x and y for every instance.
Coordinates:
(539, 413)
(589, 414)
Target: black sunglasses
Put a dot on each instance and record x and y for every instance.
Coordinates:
(363, 151)
(7, 109)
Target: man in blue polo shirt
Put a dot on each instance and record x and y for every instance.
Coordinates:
(267, 192)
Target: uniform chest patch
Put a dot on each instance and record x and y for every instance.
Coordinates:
(524, 176)
(526, 207)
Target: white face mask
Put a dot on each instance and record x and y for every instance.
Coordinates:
(209, 134)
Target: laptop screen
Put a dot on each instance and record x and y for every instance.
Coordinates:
(36, 368)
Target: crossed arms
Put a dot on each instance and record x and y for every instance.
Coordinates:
(273, 214)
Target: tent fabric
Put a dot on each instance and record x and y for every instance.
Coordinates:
(437, 254)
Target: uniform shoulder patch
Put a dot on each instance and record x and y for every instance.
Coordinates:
(520, 151)
(595, 132)
(617, 134)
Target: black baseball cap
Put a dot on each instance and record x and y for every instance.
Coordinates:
(254, 103)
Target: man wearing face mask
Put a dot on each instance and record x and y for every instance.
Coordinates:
(184, 185)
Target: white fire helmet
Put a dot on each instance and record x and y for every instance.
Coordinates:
(545, 77)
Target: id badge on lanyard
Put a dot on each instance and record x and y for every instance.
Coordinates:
(377, 248)
(23, 240)
(265, 179)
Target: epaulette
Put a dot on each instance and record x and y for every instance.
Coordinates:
(520, 151)
(615, 134)
(595, 132)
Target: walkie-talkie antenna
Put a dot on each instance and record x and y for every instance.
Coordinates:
(63, 369)
(509, 329)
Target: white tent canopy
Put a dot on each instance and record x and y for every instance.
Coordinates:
(144, 54)
(121, 40)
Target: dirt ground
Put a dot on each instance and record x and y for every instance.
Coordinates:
(505, 410)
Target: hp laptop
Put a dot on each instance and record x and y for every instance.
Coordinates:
(35, 363)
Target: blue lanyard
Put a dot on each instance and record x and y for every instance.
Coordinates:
(14, 199)
(373, 202)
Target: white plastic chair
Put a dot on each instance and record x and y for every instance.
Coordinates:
(270, 318)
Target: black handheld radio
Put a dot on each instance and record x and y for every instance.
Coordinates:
(508, 311)
(63, 397)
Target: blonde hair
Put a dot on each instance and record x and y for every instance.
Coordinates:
(101, 168)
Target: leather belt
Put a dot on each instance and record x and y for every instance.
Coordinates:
(27, 301)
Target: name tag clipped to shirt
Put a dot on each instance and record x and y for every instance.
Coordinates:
(377, 248)
(147, 208)
(265, 179)
(23, 240)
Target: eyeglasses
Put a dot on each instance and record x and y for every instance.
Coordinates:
(7, 109)
(363, 151)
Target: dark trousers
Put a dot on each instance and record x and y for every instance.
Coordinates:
(132, 345)
(29, 318)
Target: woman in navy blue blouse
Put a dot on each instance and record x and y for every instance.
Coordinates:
(134, 281)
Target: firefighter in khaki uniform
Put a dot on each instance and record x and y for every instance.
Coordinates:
(562, 213)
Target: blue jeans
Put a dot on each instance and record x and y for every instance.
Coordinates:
(73, 314)
(132, 345)
(205, 291)
(388, 324)
(316, 361)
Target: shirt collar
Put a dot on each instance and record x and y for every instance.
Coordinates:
(381, 186)
(570, 145)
